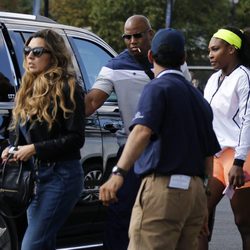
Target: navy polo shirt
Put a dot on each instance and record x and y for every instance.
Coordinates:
(181, 121)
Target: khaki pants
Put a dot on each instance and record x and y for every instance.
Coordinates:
(165, 218)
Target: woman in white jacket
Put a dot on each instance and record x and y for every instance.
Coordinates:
(228, 92)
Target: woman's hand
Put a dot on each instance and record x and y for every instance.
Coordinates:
(236, 176)
(24, 153)
(5, 154)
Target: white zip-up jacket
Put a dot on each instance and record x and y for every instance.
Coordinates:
(231, 107)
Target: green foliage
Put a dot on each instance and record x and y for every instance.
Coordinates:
(70, 12)
(198, 19)
(19, 6)
(242, 14)
(108, 16)
(107, 19)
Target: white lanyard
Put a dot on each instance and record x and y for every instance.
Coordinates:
(169, 71)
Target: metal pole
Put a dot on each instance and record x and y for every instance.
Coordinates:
(46, 8)
(169, 11)
(36, 7)
(233, 11)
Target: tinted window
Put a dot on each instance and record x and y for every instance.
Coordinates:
(91, 58)
(6, 66)
(18, 43)
(7, 91)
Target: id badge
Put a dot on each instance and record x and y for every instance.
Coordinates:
(179, 181)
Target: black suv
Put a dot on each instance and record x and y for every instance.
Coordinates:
(89, 54)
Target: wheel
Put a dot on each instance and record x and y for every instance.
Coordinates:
(92, 180)
(8, 234)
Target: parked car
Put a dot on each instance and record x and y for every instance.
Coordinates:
(89, 54)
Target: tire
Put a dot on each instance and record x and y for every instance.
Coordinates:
(93, 175)
(8, 234)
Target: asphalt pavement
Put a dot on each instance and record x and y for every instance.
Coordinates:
(225, 234)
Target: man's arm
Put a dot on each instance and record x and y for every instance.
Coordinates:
(94, 100)
(135, 145)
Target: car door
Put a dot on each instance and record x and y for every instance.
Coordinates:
(8, 88)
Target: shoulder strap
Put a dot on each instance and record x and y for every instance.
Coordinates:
(146, 69)
(17, 136)
(149, 73)
(24, 129)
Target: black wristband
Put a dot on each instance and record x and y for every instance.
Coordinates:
(119, 171)
(239, 162)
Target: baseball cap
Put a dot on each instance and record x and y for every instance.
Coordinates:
(171, 38)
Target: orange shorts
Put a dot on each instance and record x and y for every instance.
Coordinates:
(223, 164)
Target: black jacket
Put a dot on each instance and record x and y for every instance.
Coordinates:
(64, 140)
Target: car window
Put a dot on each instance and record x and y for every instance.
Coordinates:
(6, 68)
(21, 38)
(91, 58)
(8, 85)
(18, 43)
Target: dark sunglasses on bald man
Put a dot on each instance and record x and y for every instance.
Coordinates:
(37, 51)
(136, 35)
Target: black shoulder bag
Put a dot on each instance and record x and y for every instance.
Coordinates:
(17, 181)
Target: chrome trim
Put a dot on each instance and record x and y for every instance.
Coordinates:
(81, 247)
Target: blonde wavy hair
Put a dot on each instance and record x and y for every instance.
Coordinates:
(40, 96)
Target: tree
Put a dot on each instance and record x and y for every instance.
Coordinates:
(70, 12)
(198, 19)
(107, 17)
(242, 14)
(19, 6)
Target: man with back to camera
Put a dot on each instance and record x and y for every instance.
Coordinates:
(127, 74)
(171, 204)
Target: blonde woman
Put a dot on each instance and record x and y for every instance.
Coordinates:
(49, 114)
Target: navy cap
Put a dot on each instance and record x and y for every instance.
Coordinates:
(171, 38)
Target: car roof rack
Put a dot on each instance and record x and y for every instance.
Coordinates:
(25, 16)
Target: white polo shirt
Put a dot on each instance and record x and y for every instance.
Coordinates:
(124, 75)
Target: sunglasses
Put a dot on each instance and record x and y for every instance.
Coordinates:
(37, 51)
(136, 35)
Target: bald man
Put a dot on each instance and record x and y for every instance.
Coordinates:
(125, 74)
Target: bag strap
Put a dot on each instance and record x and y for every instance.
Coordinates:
(146, 69)
(25, 133)
(17, 136)
(149, 73)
